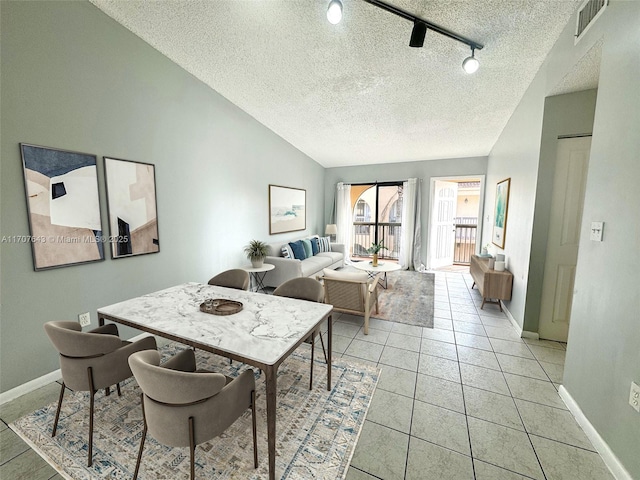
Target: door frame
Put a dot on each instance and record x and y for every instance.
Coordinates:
(432, 190)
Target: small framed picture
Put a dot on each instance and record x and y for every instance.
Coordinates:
(501, 212)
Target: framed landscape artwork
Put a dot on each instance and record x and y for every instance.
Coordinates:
(131, 201)
(63, 206)
(501, 212)
(287, 209)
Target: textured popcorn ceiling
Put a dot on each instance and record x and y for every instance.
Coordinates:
(356, 93)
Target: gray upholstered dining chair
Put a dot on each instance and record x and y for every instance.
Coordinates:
(184, 407)
(91, 361)
(305, 288)
(234, 278)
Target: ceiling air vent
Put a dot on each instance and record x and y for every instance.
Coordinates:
(588, 14)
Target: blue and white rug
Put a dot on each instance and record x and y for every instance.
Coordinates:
(317, 430)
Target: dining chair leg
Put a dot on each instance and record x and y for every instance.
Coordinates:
(92, 394)
(118, 388)
(255, 436)
(55, 422)
(192, 448)
(144, 437)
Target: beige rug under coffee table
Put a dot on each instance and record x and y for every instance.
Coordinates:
(384, 267)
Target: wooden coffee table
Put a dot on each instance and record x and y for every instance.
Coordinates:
(384, 267)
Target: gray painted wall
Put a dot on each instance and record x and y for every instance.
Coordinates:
(425, 170)
(603, 355)
(73, 78)
(570, 114)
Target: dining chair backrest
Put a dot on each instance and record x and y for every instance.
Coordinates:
(302, 288)
(234, 278)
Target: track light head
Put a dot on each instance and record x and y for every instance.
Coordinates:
(471, 64)
(417, 34)
(334, 12)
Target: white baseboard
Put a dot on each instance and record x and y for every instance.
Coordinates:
(609, 458)
(39, 382)
(30, 386)
(523, 333)
(527, 334)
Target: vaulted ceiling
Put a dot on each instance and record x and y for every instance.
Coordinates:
(356, 93)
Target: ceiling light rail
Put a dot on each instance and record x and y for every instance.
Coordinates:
(420, 27)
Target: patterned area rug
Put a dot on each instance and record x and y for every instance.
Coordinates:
(407, 299)
(316, 430)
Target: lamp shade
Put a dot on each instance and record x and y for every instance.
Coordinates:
(332, 229)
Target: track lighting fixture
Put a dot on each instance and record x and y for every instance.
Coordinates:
(471, 64)
(334, 12)
(420, 27)
(417, 34)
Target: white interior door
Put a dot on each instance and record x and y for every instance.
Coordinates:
(442, 226)
(563, 238)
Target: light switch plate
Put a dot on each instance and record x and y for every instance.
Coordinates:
(596, 231)
(84, 319)
(634, 397)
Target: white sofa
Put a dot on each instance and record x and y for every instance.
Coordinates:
(288, 268)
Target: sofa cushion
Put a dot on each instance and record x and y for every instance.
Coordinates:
(308, 251)
(339, 275)
(315, 248)
(334, 256)
(313, 265)
(298, 250)
(286, 251)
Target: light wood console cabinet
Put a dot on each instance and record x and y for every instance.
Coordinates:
(493, 286)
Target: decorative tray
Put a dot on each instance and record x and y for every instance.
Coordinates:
(379, 264)
(220, 306)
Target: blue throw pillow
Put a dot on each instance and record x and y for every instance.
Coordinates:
(315, 248)
(308, 252)
(298, 250)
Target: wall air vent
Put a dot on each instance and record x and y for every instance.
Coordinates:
(588, 13)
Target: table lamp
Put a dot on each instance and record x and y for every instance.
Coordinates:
(332, 231)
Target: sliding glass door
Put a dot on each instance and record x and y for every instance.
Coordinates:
(377, 216)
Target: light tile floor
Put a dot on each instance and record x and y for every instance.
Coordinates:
(467, 399)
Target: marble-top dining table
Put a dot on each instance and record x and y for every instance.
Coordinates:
(263, 334)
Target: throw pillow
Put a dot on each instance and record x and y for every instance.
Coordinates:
(315, 248)
(286, 251)
(308, 251)
(324, 244)
(298, 250)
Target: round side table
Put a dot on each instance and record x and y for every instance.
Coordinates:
(257, 276)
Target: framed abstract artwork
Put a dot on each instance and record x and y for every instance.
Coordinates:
(287, 209)
(501, 212)
(63, 205)
(131, 203)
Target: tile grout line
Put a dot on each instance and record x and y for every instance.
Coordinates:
(464, 406)
(524, 426)
(413, 408)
